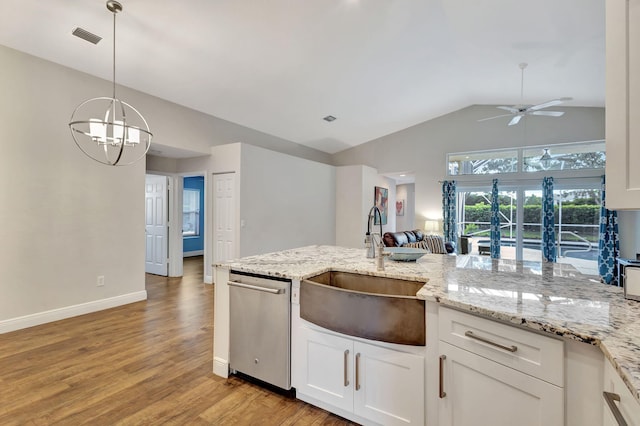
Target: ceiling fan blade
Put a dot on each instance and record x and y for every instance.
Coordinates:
(515, 120)
(547, 104)
(497, 116)
(548, 113)
(510, 109)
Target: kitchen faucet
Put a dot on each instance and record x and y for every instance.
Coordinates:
(369, 240)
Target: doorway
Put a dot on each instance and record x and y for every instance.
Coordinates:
(193, 214)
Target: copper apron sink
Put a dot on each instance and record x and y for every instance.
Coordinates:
(371, 307)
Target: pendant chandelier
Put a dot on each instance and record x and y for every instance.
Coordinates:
(107, 129)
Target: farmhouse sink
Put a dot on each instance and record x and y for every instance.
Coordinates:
(371, 307)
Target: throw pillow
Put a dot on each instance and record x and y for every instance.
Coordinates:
(418, 244)
(435, 244)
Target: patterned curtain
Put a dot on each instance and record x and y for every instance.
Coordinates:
(609, 242)
(449, 211)
(548, 230)
(495, 221)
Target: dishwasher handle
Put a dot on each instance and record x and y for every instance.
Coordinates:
(256, 287)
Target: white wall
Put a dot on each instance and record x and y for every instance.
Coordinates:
(355, 189)
(354, 199)
(65, 218)
(285, 202)
(406, 192)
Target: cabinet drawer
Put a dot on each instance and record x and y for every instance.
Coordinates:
(522, 350)
(627, 406)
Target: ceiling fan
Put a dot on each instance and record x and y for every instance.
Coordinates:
(519, 111)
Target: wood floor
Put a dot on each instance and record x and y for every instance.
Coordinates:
(145, 363)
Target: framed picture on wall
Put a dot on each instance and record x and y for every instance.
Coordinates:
(400, 208)
(381, 201)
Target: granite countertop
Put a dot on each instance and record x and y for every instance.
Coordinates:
(548, 297)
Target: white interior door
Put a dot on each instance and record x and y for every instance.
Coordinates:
(224, 217)
(156, 224)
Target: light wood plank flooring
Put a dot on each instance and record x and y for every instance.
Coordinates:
(145, 363)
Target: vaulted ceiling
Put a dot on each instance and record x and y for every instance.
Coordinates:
(280, 66)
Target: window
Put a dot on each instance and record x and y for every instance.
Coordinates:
(577, 217)
(576, 169)
(482, 163)
(569, 156)
(191, 213)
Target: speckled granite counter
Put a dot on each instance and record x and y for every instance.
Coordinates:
(552, 298)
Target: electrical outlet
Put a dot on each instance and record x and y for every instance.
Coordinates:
(100, 281)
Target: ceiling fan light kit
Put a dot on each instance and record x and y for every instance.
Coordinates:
(519, 111)
(107, 129)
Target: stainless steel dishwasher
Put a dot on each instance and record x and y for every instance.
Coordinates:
(260, 327)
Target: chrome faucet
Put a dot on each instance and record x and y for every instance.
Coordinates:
(369, 240)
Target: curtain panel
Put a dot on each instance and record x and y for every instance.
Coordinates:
(495, 221)
(449, 211)
(548, 224)
(609, 241)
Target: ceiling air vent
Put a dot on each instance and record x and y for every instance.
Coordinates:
(86, 35)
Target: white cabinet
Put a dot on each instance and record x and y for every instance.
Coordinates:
(361, 381)
(327, 368)
(492, 373)
(389, 385)
(482, 392)
(623, 103)
(621, 402)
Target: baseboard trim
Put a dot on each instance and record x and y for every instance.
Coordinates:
(208, 279)
(193, 253)
(18, 323)
(220, 367)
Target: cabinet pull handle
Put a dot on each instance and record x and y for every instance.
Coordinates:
(511, 348)
(346, 359)
(441, 392)
(358, 371)
(611, 397)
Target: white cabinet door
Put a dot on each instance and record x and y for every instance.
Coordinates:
(327, 368)
(389, 385)
(626, 405)
(623, 103)
(482, 392)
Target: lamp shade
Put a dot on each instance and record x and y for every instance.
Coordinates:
(431, 225)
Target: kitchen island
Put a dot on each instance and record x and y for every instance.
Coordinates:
(551, 299)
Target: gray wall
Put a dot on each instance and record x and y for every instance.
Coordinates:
(66, 219)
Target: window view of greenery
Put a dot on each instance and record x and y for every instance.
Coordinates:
(576, 211)
(572, 156)
(482, 163)
(191, 213)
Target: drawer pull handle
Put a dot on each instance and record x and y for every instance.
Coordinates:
(441, 392)
(611, 397)
(358, 371)
(346, 358)
(511, 348)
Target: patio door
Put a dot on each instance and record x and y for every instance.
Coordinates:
(576, 223)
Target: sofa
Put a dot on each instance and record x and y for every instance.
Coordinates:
(417, 238)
